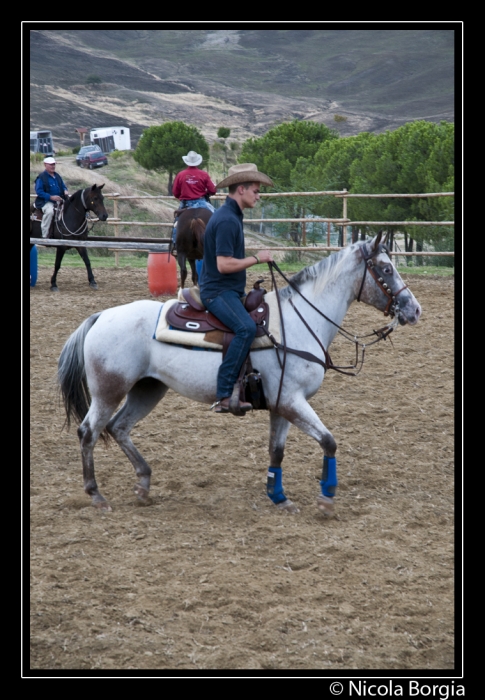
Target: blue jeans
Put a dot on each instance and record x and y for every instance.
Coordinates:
(228, 308)
(194, 203)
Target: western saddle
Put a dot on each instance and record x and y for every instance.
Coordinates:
(192, 316)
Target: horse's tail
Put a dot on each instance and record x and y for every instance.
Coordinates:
(197, 226)
(71, 374)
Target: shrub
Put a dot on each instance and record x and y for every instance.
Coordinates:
(223, 132)
(117, 154)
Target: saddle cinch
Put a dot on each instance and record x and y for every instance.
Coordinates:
(193, 317)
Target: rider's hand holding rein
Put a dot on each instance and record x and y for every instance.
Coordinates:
(227, 265)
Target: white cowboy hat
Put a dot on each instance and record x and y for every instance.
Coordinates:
(192, 158)
(49, 160)
(244, 172)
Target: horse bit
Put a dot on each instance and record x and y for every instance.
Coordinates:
(84, 226)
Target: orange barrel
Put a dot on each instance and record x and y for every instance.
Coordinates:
(162, 274)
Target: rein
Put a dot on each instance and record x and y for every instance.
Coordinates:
(83, 228)
(327, 363)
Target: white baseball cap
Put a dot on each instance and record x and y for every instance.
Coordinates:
(49, 160)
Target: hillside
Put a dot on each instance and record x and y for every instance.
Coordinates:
(245, 79)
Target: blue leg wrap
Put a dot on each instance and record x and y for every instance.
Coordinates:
(274, 486)
(329, 476)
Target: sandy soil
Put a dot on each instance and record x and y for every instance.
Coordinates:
(211, 576)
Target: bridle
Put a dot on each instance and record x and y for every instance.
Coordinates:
(83, 228)
(382, 334)
(379, 277)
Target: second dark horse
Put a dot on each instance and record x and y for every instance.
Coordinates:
(189, 241)
(71, 225)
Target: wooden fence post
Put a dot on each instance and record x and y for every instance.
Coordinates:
(115, 212)
(344, 227)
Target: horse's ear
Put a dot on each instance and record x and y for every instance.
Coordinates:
(374, 244)
(101, 186)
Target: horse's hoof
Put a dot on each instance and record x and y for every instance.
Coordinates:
(103, 505)
(93, 285)
(326, 506)
(288, 506)
(142, 494)
(54, 289)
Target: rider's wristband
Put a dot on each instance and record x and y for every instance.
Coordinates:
(257, 259)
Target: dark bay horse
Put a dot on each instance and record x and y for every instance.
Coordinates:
(189, 241)
(72, 224)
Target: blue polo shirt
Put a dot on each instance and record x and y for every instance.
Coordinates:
(224, 235)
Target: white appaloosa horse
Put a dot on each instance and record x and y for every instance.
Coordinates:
(113, 354)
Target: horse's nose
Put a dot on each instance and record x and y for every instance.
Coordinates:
(103, 217)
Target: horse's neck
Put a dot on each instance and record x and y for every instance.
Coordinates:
(73, 217)
(74, 210)
(332, 303)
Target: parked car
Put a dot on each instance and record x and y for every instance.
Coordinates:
(86, 149)
(94, 159)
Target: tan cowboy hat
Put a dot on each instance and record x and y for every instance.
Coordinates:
(244, 172)
(192, 158)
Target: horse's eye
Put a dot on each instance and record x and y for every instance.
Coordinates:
(388, 270)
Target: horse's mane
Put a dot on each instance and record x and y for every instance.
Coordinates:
(74, 198)
(320, 274)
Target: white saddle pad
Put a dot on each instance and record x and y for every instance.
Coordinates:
(165, 334)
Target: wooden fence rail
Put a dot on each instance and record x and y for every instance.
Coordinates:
(161, 244)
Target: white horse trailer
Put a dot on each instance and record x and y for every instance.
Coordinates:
(41, 142)
(111, 138)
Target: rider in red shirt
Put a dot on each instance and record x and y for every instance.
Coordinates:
(192, 186)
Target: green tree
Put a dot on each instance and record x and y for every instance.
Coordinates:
(415, 159)
(329, 169)
(161, 148)
(277, 152)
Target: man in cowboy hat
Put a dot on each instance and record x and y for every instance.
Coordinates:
(49, 188)
(192, 186)
(222, 280)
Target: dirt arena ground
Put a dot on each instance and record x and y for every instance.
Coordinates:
(211, 576)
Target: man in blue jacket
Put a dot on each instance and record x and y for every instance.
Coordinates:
(222, 279)
(49, 188)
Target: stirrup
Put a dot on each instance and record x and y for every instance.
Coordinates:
(218, 408)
